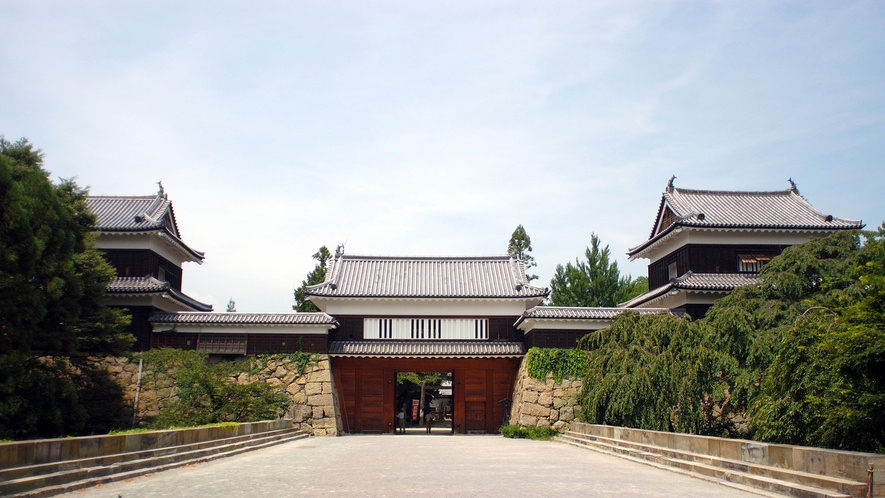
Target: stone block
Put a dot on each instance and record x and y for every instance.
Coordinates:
(280, 372)
(323, 423)
(543, 422)
(328, 411)
(319, 400)
(527, 420)
(560, 426)
(327, 388)
(546, 398)
(289, 377)
(566, 414)
(754, 453)
(559, 403)
(554, 416)
(294, 388)
(312, 388)
(300, 413)
(530, 396)
(274, 382)
(319, 432)
(318, 376)
(535, 410)
(317, 412)
(534, 384)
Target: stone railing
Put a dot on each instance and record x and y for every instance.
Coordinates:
(834, 463)
(39, 451)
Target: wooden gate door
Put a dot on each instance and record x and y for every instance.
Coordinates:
(364, 395)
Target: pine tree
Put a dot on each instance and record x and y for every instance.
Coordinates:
(52, 302)
(520, 246)
(596, 281)
(316, 276)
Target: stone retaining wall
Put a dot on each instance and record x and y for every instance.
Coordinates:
(314, 404)
(544, 403)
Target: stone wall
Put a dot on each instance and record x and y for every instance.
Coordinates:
(544, 403)
(314, 405)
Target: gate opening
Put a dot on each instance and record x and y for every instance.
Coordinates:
(424, 403)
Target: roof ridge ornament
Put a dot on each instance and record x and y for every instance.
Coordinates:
(793, 188)
(161, 192)
(670, 187)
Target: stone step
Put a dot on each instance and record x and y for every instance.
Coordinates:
(773, 479)
(49, 468)
(64, 481)
(841, 485)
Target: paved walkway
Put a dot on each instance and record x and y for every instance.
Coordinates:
(415, 465)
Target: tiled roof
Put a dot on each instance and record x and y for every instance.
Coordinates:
(134, 214)
(569, 313)
(698, 282)
(714, 281)
(773, 210)
(149, 285)
(244, 318)
(426, 277)
(130, 213)
(137, 285)
(425, 349)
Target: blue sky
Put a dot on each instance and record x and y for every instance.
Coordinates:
(419, 128)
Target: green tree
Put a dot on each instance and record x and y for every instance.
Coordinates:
(519, 246)
(231, 305)
(52, 300)
(316, 276)
(811, 340)
(800, 356)
(596, 281)
(656, 372)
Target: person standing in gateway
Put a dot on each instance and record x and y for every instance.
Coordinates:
(401, 420)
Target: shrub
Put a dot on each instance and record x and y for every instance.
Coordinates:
(537, 433)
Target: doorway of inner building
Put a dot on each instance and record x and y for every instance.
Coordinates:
(423, 403)
(366, 388)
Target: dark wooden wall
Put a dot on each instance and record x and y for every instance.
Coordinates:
(551, 338)
(705, 259)
(140, 327)
(366, 390)
(255, 343)
(141, 263)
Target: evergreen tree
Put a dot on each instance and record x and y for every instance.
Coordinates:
(316, 276)
(52, 300)
(520, 246)
(593, 282)
(231, 305)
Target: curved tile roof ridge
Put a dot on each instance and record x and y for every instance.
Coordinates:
(243, 318)
(137, 284)
(359, 276)
(139, 213)
(753, 210)
(427, 348)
